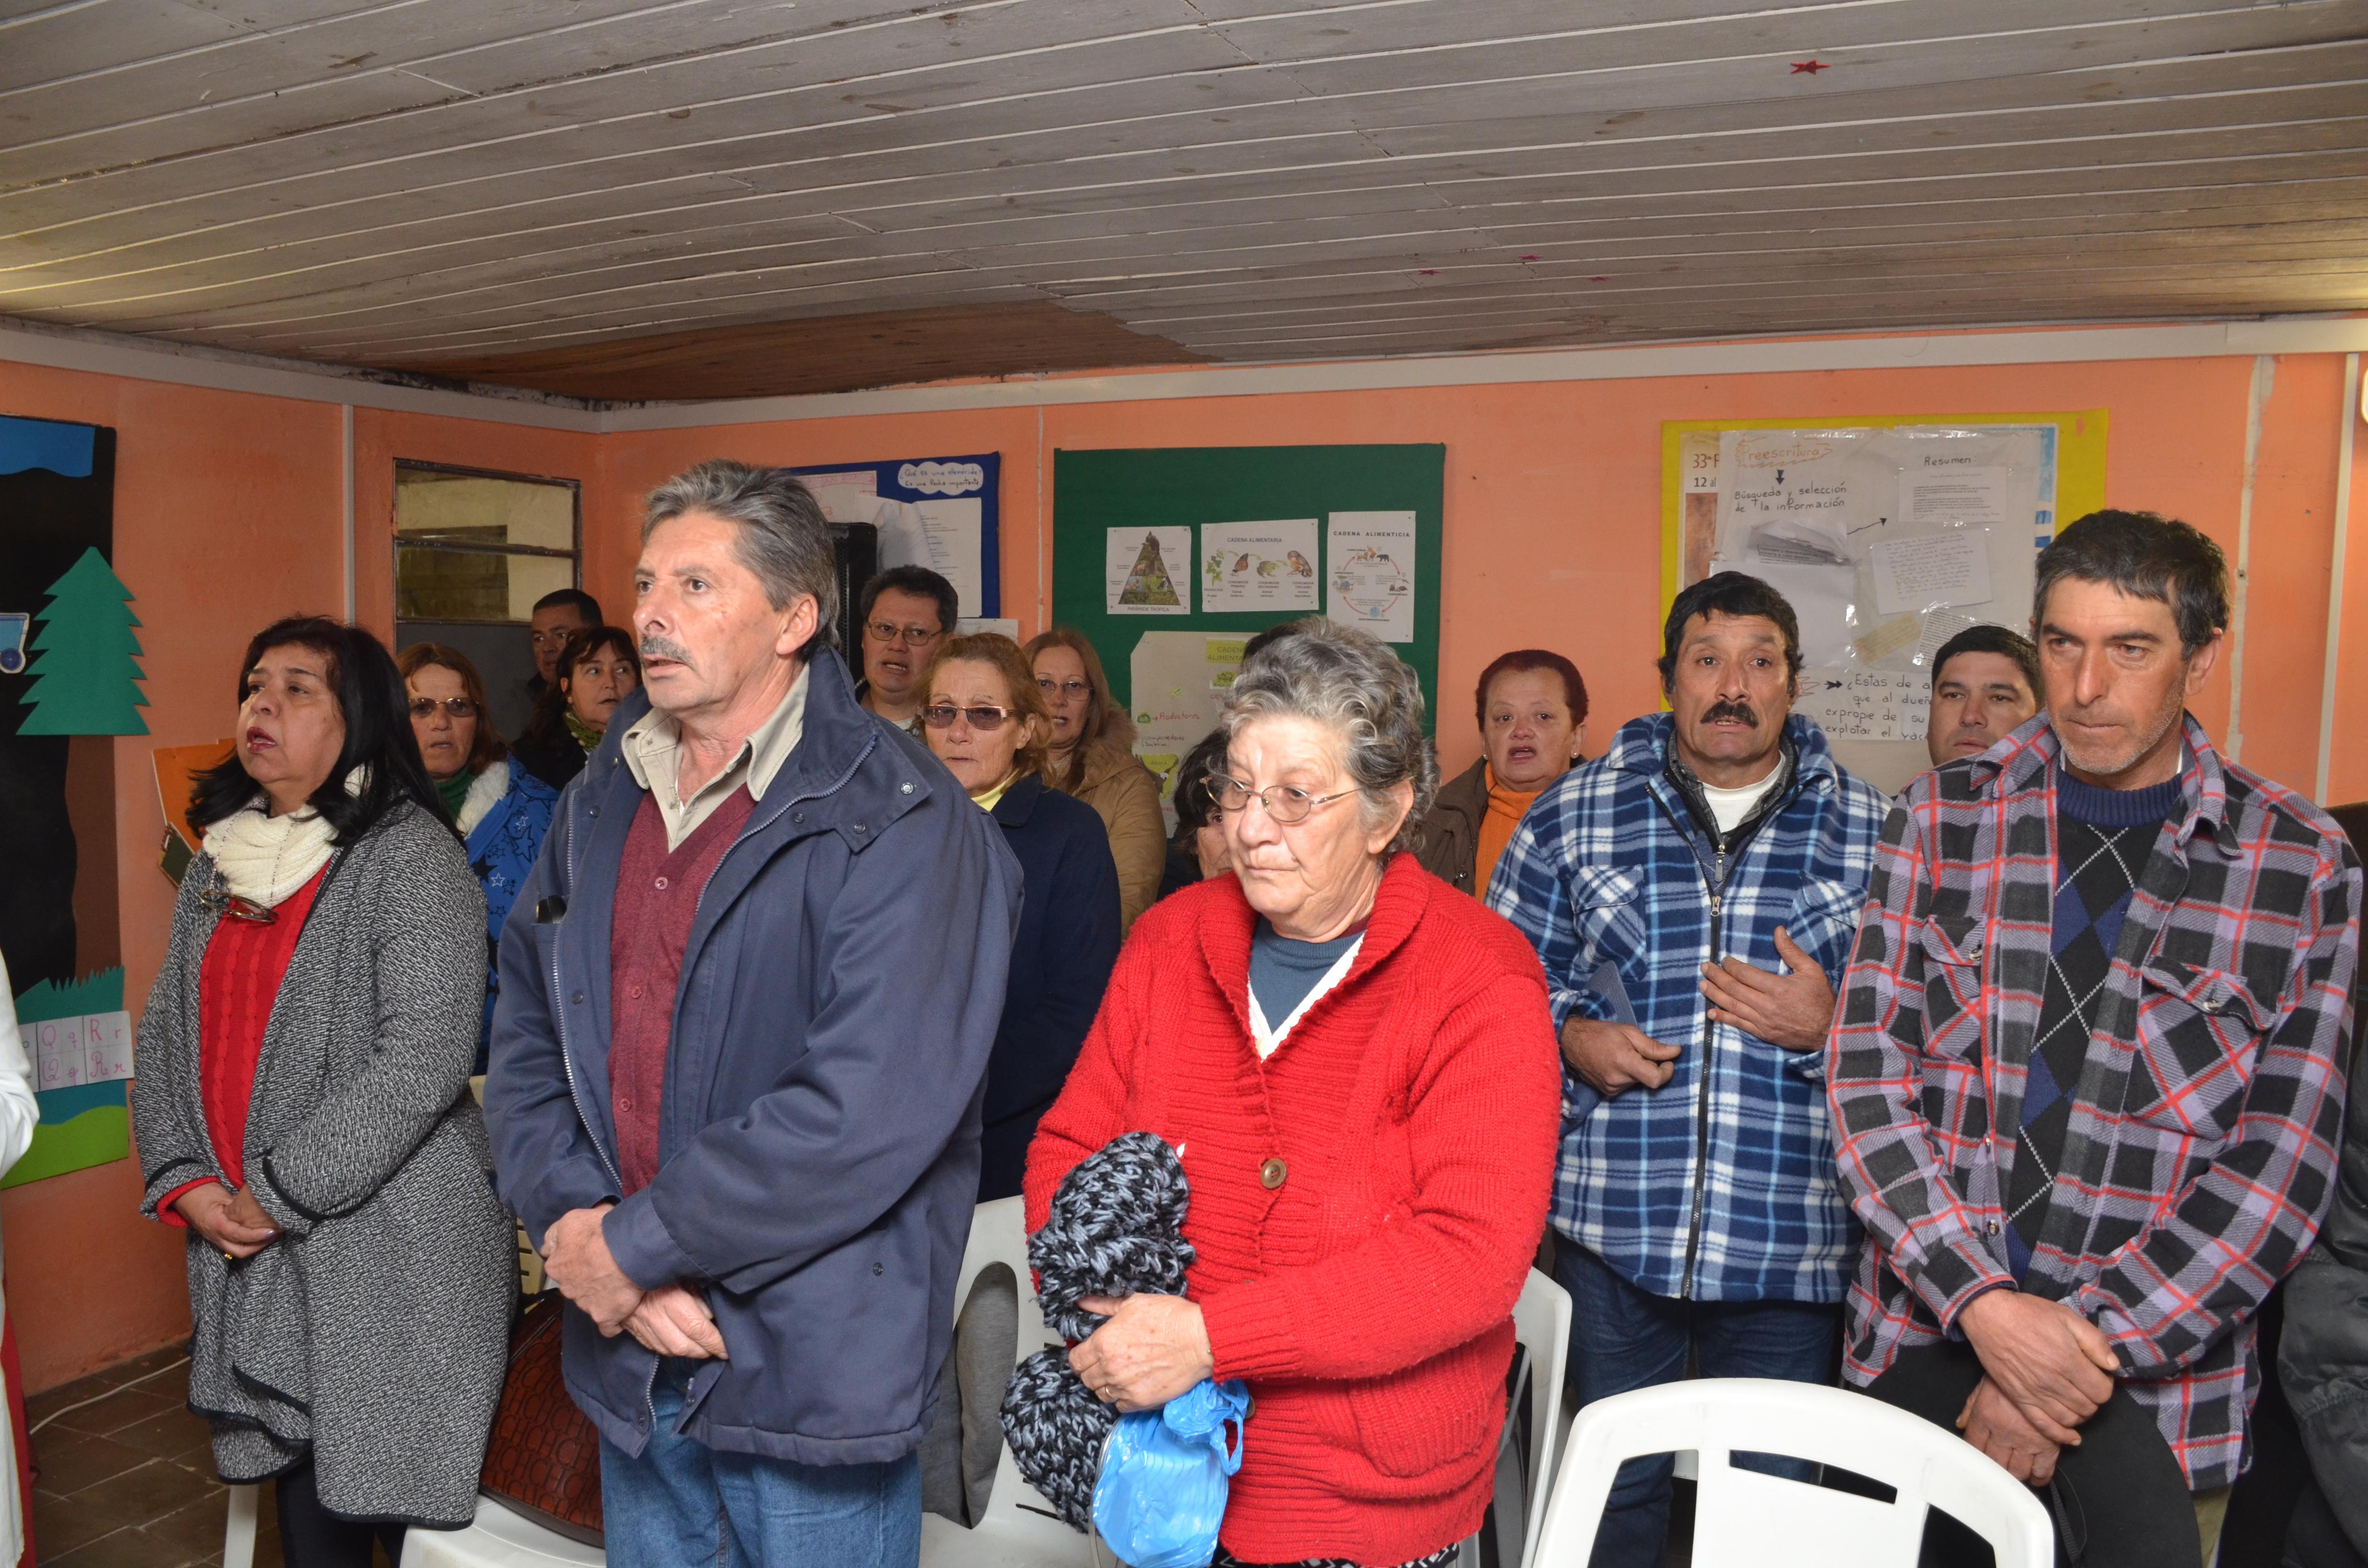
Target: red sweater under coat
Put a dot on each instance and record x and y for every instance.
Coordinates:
(1368, 1298)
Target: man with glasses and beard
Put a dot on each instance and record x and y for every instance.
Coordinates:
(2089, 1081)
(1691, 894)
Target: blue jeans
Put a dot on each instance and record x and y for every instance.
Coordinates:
(1624, 1338)
(683, 1505)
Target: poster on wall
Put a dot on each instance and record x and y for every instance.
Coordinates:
(1170, 559)
(1179, 680)
(70, 677)
(1887, 536)
(1147, 572)
(1872, 534)
(941, 512)
(1258, 566)
(1371, 572)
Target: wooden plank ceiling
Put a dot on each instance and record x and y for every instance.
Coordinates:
(600, 197)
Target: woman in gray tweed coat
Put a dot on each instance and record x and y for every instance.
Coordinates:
(301, 1105)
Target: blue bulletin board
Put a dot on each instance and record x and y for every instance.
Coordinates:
(942, 513)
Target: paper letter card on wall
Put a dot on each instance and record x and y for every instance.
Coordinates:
(80, 1042)
(1148, 572)
(1371, 572)
(89, 1048)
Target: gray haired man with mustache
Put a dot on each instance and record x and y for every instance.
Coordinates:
(1692, 893)
(740, 1117)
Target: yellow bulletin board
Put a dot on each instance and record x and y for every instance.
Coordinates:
(1886, 533)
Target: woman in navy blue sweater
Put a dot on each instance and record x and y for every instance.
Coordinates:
(987, 721)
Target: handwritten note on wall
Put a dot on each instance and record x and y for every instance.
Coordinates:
(1866, 705)
(1930, 571)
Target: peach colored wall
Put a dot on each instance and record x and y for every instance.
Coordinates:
(227, 515)
(229, 512)
(1553, 500)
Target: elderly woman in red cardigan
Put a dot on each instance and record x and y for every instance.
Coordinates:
(1356, 1063)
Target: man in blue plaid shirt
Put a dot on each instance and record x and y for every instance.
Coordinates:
(1693, 894)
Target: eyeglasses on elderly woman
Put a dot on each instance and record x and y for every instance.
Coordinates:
(1286, 803)
(940, 716)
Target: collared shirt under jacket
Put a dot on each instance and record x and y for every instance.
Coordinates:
(1718, 1186)
(2202, 1150)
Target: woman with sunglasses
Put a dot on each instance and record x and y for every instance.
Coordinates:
(1093, 758)
(500, 810)
(1358, 1071)
(302, 1108)
(597, 670)
(985, 719)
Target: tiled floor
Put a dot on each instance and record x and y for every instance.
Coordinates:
(125, 1478)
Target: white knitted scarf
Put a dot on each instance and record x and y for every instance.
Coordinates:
(263, 858)
(486, 792)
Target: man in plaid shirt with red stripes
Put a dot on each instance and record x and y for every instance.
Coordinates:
(2087, 1081)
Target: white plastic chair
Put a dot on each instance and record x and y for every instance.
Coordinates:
(1524, 1472)
(1020, 1529)
(1744, 1517)
(238, 1539)
(499, 1538)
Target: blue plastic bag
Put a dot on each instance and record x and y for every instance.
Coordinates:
(1161, 1495)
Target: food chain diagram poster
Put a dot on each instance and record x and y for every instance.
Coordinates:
(1370, 571)
(1258, 566)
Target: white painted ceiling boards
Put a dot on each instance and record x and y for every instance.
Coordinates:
(507, 187)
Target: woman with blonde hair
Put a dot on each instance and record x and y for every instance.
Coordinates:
(987, 721)
(1093, 758)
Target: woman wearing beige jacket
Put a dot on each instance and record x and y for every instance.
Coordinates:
(1094, 760)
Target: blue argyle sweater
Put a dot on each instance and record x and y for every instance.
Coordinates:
(2103, 838)
(1719, 1185)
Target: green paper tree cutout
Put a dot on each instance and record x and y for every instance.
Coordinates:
(85, 655)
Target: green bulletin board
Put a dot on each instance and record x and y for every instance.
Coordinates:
(1194, 487)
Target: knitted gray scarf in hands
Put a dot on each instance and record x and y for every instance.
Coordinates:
(1116, 1228)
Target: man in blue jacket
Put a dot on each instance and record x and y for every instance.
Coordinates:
(747, 1001)
(1692, 893)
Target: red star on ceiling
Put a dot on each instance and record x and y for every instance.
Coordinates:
(1809, 67)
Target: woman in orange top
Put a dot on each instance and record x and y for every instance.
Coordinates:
(1532, 722)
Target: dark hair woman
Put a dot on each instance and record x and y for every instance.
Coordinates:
(1093, 758)
(984, 718)
(302, 1108)
(1533, 711)
(1197, 850)
(500, 810)
(597, 669)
